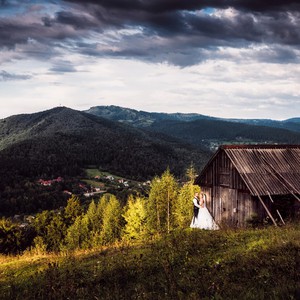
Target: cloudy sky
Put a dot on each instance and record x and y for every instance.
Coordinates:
(223, 58)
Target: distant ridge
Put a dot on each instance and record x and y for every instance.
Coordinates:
(205, 131)
(141, 118)
(145, 119)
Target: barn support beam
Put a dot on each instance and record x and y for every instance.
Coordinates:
(296, 197)
(268, 212)
(279, 214)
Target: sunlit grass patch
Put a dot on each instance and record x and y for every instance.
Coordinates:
(187, 264)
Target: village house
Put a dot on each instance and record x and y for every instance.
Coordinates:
(246, 182)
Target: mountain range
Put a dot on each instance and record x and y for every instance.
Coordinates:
(205, 131)
(126, 142)
(62, 138)
(145, 119)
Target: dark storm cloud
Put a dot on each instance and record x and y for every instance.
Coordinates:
(162, 6)
(254, 21)
(176, 31)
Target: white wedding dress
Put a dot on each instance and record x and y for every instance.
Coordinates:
(204, 219)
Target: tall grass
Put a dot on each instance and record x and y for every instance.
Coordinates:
(189, 264)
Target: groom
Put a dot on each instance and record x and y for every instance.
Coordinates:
(196, 204)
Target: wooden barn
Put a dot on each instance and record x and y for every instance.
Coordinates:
(244, 183)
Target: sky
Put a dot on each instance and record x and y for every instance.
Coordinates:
(222, 58)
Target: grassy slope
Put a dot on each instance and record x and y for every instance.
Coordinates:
(191, 264)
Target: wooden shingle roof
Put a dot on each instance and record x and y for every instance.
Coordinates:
(267, 169)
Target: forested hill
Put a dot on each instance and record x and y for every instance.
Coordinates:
(64, 140)
(61, 142)
(206, 131)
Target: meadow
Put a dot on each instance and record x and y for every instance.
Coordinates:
(184, 264)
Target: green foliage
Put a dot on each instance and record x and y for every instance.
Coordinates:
(51, 226)
(162, 196)
(39, 247)
(56, 232)
(72, 210)
(41, 221)
(10, 236)
(14, 238)
(183, 208)
(183, 211)
(112, 222)
(78, 235)
(135, 218)
(100, 225)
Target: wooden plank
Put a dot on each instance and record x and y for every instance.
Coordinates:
(265, 207)
(277, 210)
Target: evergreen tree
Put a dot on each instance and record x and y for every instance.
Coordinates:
(112, 221)
(183, 207)
(92, 217)
(41, 221)
(100, 210)
(72, 210)
(85, 231)
(77, 236)
(153, 208)
(135, 217)
(56, 232)
(10, 236)
(162, 196)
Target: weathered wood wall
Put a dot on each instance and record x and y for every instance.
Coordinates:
(228, 198)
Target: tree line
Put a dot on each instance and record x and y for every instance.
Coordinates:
(105, 221)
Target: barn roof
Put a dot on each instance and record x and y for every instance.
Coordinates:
(266, 169)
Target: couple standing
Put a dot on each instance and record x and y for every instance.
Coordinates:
(202, 218)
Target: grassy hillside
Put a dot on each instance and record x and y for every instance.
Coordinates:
(190, 264)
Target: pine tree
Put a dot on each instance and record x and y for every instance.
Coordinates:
(162, 196)
(77, 234)
(153, 208)
(92, 217)
(135, 217)
(56, 232)
(112, 221)
(183, 208)
(72, 210)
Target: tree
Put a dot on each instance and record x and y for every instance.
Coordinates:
(100, 211)
(183, 211)
(72, 210)
(78, 235)
(112, 221)
(93, 219)
(135, 217)
(10, 237)
(41, 221)
(56, 232)
(162, 196)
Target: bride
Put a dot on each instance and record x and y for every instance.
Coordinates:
(202, 218)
